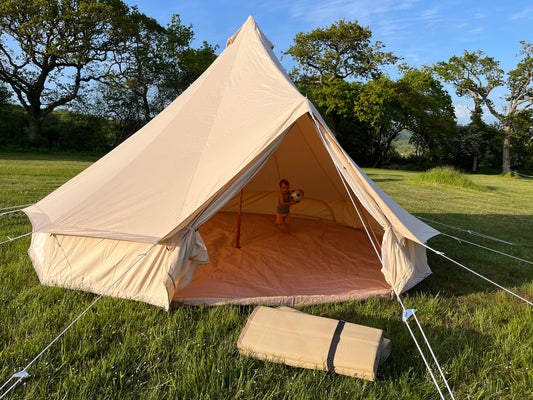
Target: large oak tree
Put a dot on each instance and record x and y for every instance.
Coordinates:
(50, 48)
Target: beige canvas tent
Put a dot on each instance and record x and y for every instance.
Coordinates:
(176, 184)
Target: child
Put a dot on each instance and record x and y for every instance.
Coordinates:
(284, 204)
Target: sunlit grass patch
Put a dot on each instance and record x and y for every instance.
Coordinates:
(451, 177)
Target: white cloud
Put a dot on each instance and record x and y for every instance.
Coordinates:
(476, 31)
(430, 13)
(526, 13)
(462, 113)
(329, 11)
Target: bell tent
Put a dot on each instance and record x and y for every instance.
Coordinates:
(156, 219)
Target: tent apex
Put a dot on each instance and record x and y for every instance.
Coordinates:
(250, 25)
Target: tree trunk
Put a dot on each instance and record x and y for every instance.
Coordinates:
(146, 107)
(474, 163)
(506, 163)
(35, 129)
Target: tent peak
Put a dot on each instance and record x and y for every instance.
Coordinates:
(252, 25)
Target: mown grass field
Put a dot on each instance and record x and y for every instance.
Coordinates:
(482, 336)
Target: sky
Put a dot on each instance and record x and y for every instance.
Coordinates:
(422, 32)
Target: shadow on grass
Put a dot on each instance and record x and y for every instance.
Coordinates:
(405, 356)
(389, 178)
(505, 269)
(66, 156)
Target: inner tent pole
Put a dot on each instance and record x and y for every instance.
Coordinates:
(239, 215)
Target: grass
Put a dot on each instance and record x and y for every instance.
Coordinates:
(128, 350)
(450, 176)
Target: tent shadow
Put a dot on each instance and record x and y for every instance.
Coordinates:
(511, 269)
(441, 339)
(375, 178)
(405, 359)
(50, 157)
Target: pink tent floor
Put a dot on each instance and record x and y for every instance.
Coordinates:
(315, 262)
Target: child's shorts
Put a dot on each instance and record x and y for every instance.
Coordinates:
(282, 218)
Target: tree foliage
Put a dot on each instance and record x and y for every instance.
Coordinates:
(138, 61)
(344, 50)
(154, 64)
(380, 105)
(416, 102)
(476, 75)
(5, 96)
(429, 114)
(342, 72)
(329, 58)
(50, 48)
(53, 52)
(153, 67)
(183, 63)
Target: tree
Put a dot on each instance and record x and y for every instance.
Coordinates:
(477, 144)
(183, 64)
(12, 119)
(522, 156)
(138, 63)
(476, 75)
(50, 48)
(379, 104)
(416, 102)
(469, 143)
(329, 57)
(429, 113)
(155, 64)
(152, 67)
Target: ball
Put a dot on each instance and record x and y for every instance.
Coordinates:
(297, 195)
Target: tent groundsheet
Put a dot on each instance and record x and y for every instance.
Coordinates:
(287, 336)
(316, 262)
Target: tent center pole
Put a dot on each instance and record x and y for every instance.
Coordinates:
(239, 215)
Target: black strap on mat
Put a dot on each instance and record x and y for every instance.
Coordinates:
(333, 346)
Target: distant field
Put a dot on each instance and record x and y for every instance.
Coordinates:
(482, 336)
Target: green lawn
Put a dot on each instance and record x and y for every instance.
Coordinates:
(121, 349)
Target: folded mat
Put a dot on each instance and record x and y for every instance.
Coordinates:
(285, 335)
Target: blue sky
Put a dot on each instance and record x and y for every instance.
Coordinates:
(423, 32)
